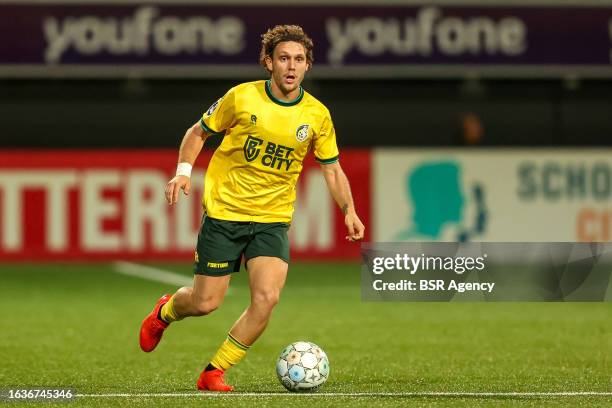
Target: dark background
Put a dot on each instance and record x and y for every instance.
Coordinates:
(155, 113)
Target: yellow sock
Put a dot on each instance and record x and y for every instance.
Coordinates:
(229, 354)
(168, 314)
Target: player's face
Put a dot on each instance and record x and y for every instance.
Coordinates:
(288, 66)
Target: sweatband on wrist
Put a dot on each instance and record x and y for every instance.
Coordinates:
(183, 169)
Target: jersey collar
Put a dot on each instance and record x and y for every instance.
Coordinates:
(278, 101)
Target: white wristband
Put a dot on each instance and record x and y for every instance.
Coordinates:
(183, 169)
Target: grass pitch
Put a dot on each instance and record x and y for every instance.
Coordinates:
(76, 325)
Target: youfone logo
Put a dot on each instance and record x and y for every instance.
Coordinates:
(144, 33)
(610, 34)
(438, 198)
(429, 33)
(251, 148)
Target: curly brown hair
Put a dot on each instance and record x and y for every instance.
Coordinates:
(280, 33)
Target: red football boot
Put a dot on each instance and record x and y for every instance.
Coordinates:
(152, 327)
(213, 381)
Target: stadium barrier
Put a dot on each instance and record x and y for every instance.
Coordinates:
(106, 204)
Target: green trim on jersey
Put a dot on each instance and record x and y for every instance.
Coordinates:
(327, 161)
(278, 101)
(207, 129)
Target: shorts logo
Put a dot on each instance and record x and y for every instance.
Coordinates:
(251, 148)
(213, 107)
(301, 133)
(217, 265)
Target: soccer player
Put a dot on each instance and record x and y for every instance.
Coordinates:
(269, 126)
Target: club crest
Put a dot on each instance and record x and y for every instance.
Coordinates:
(301, 133)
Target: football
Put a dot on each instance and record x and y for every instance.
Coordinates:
(302, 366)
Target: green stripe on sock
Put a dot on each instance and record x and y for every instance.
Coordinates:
(237, 343)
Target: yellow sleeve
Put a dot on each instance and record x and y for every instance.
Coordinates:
(325, 147)
(220, 116)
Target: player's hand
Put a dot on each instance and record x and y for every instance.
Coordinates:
(174, 186)
(354, 226)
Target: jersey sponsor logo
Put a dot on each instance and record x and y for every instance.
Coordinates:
(301, 133)
(275, 155)
(253, 120)
(251, 148)
(213, 107)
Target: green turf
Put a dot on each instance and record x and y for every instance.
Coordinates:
(76, 326)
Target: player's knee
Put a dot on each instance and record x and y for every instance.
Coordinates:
(206, 307)
(266, 299)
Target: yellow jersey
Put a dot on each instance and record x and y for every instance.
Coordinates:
(253, 173)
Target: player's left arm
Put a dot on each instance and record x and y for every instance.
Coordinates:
(340, 189)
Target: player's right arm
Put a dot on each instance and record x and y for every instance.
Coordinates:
(192, 144)
(219, 117)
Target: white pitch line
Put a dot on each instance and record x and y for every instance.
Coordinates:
(152, 274)
(352, 394)
(155, 274)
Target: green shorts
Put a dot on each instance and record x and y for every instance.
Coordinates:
(221, 244)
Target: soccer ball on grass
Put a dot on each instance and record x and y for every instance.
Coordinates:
(302, 366)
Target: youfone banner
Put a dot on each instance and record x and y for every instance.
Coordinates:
(492, 195)
(107, 205)
(169, 39)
